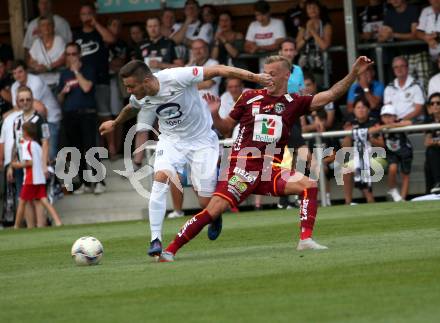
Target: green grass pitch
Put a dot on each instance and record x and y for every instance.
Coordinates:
(383, 265)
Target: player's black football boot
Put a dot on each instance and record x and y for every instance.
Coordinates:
(155, 248)
(215, 228)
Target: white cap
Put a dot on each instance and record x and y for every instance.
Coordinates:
(388, 109)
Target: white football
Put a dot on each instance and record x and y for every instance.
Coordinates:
(87, 251)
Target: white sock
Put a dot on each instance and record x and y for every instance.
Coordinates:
(157, 208)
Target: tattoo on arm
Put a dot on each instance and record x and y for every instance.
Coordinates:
(341, 87)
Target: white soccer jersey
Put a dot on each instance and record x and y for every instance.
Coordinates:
(33, 175)
(181, 114)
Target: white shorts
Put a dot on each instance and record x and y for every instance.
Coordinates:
(144, 118)
(201, 158)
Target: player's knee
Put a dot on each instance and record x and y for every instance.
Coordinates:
(310, 184)
(217, 206)
(161, 176)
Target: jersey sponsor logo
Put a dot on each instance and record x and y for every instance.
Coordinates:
(195, 71)
(169, 111)
(238, 184)
(279, 107)
(267, 128)
(255, 108)
(244, 175)
(288, 97)
(268, 107)
(255, 98)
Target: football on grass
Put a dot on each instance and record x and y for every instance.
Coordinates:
(87, 251)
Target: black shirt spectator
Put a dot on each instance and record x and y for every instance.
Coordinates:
(6, 81)
(370, 19)
(163, 48)
(6, 55)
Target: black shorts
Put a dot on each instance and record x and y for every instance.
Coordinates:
(402, 159)
(296, 139)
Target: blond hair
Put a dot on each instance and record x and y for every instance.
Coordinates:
(276, 59)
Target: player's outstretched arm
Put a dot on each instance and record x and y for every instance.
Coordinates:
(127, 113)
(341, 87)
(230, 71)
(225, 126)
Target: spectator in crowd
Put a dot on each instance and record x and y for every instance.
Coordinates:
(234, 88)
(137, 36)
(228, 43)
(43, 94)
(314, 37)
(209, 16)
(265, 34)
(434, 82)
(367, 87)
(399, 152)
(296, 79)
(294, 18)
(404, 93)
(6, 55)
(432, 144)
(193, 27)
(34, 181)
(117, 58)
(371, 19)
(77, 97)
(200, 51)
(62, 27)
(28, 114)
(46, 55)
(94, 39)
(168, 25)
(361, 120)
(400, 24)
(6, 81)
(428, 28)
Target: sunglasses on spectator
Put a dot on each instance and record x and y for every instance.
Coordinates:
(434, 103)
(25, 100)
(71, 53)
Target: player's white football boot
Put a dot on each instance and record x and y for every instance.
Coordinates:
(309, 244)
(166, 256)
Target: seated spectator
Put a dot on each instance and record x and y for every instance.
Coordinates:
(228, 43)
(168, 25)
(209, 16)
(294, 18)
(367, 87)
(77, 97)
(400, 24)
(192, 28)
(137, 36)
(295, 83)
(6, 81)
(399, 152)
(432, 144)
(265, 34)
(314, 37)
(157, 52)
(6, 55)
(361, 120)
(200, 52)
(34, 179)
(371, 19)
(117, 59)
(46, 55)
(405, 93)
(428, 28)
(434, 82)
(61, 26)
(43, 94)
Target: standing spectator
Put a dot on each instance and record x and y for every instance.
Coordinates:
(62, 27)
(294, 18)
(93, 39)
(434, 82)
(314, 37)
(405, 94)
(400, 24)
(200, 52)
(6, 55)
(43, 94)
(209, 16)
(192, 28)
(234, 88)
(76, 94)
(34, 181)
(265, 34)
(6, 81)
(228, 43)
(117, 58)
(371, 19)
(168, 26)
(137, 36)
(28, 114)
(432, 144)
(361, 120)
(428, 28)
(288, 50)
(399, 152)
(47, 53)
(367, 87)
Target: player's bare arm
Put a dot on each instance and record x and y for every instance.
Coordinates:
(127, 113)
(224, 125)
(230, 71)
(341, 87)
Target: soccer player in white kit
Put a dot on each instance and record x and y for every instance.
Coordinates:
(185, 125)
